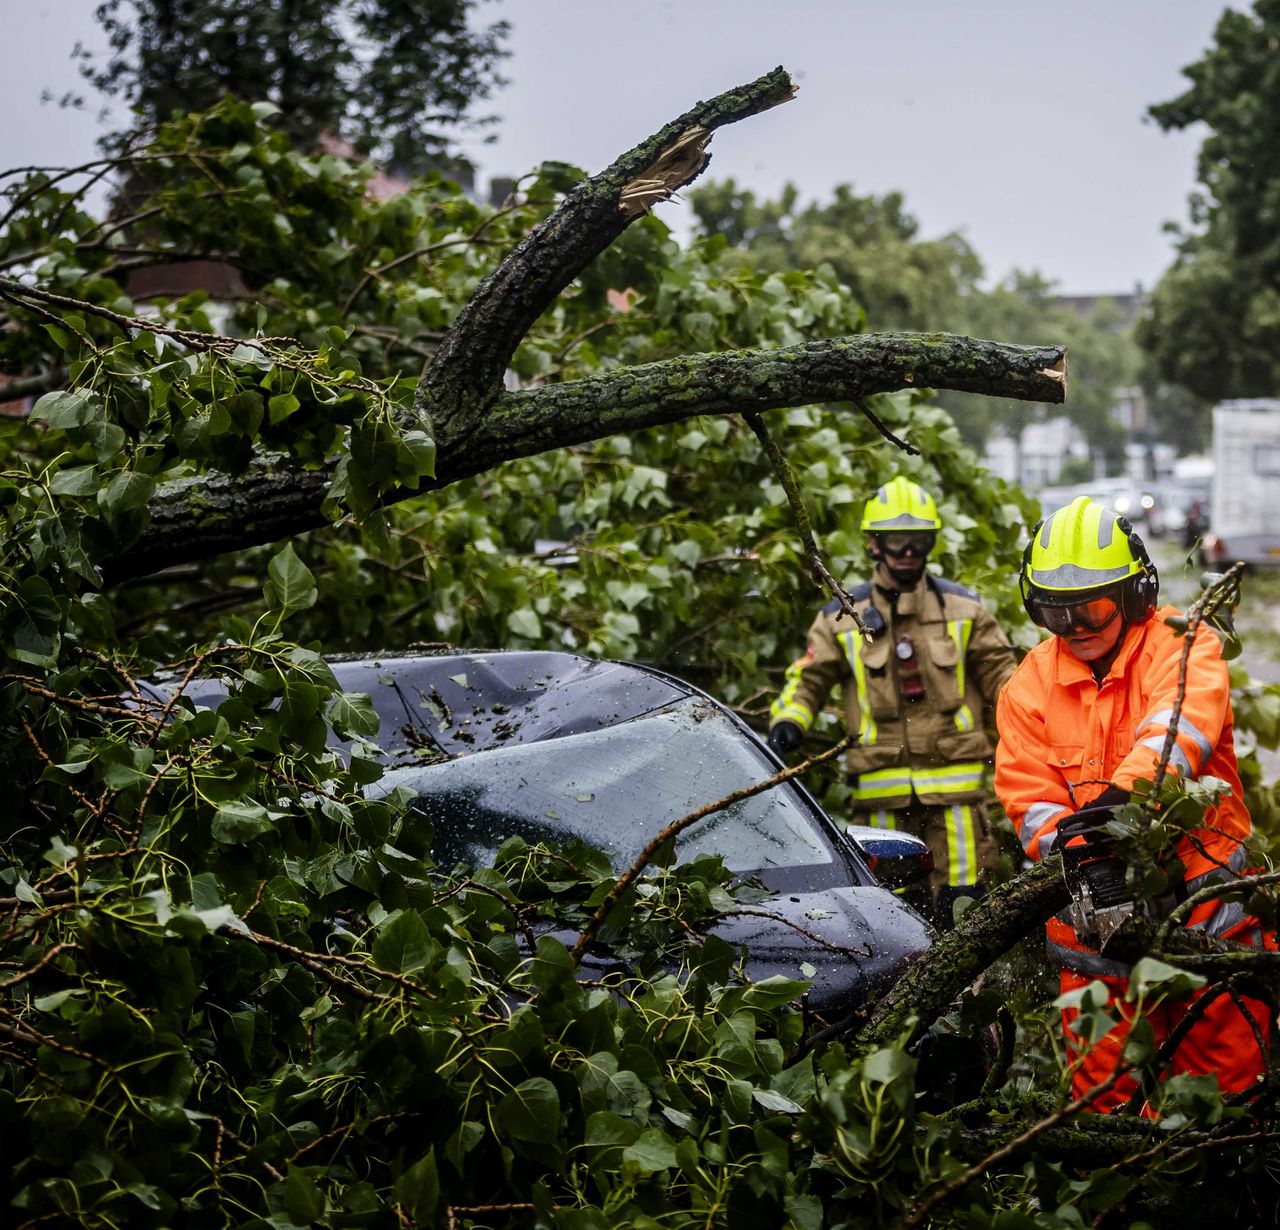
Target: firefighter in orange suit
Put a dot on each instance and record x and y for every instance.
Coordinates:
(1084, 717)
(917, 684)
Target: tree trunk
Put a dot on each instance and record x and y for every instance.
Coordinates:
(987, 931)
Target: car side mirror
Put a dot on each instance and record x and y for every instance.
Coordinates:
(898, 860)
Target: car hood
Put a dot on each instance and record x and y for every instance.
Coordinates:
(849, 943)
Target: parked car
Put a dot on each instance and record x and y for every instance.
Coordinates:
(1120, 495)
(552, 747)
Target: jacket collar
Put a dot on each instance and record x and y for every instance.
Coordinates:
(922, 602)
(1069, 671)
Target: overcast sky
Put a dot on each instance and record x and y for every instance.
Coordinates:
(1017, 122)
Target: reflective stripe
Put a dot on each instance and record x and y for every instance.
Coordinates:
(1227, 915)
(1046, 844)
(1081, 961)
(882, 784)
(882, 819)
(1235, 864)
(951, 779)
(1177, 757)
(1184, 727)
(962, 846)
(1072, 577)
(960, 630)
(795, 712)
(786, 708)
(1038, 815)
(867, 729)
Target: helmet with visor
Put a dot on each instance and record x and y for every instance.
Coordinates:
(1085, 567)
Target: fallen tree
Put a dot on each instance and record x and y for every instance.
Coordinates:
(238, 990)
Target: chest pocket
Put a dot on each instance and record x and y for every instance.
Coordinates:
(1067, 760)
(942, 665)
(945, 662)
(881, 695)
(874, 683)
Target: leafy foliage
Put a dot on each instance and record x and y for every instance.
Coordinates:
(398, 78)
(236, 990)
(1214, 323)
(903, 281)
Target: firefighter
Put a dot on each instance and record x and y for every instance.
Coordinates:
(1083, 719)
(918, 679)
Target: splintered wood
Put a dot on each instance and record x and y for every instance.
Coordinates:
(683, 160)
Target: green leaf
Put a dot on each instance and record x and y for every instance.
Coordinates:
(106, 439)
(352, 713)
(1151, 973)
(290, 585)
(418, 1190)
(772, 1101)
(773, 992)
(78, 481)
(281, 406)
(524, 622)
(651, 1153)
(127, 492)
(66, 409)
(418, 455)
(302, 1197)
(240, 821)
(403, 943)
(887, 1065)
(531, 1111)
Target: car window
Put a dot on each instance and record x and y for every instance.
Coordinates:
(617, 788)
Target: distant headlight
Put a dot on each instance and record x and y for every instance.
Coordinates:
(1148, 501)
(1122, 503)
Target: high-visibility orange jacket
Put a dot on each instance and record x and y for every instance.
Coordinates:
(1064, 737)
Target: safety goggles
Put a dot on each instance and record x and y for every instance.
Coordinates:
(1062, 617)
(898, 545)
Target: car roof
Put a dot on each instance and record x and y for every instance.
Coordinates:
(469, 702)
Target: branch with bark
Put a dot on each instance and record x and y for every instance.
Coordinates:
(478, 424)
(269, 500)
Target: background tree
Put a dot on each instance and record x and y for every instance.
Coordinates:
(1214, 321)
(902, 281)
(398, 78)
(1104, 359)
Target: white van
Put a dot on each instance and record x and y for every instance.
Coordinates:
(1244, 503)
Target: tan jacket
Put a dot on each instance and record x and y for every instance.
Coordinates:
(935, 747)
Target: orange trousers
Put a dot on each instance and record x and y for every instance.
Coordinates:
(1222, 1043)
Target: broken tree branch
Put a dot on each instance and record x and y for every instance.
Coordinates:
(1003, 917)
(466, 372)
(269, 500)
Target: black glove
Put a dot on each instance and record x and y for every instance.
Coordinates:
(785, 737)
(1088, 823)
(1112, 797)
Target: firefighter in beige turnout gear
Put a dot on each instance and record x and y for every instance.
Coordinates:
(918, 687)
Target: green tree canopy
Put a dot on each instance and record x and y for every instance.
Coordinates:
(903, 281)
(398, 78)
(1214, 323)
(873, 243)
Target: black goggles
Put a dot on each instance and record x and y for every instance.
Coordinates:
(1061, 618)
(898, 545)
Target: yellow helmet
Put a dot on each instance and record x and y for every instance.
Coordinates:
(900, 505)
(1082, 551)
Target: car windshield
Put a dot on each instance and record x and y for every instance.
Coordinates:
(617, 788)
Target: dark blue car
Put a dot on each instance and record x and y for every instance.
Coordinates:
(553, 746)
